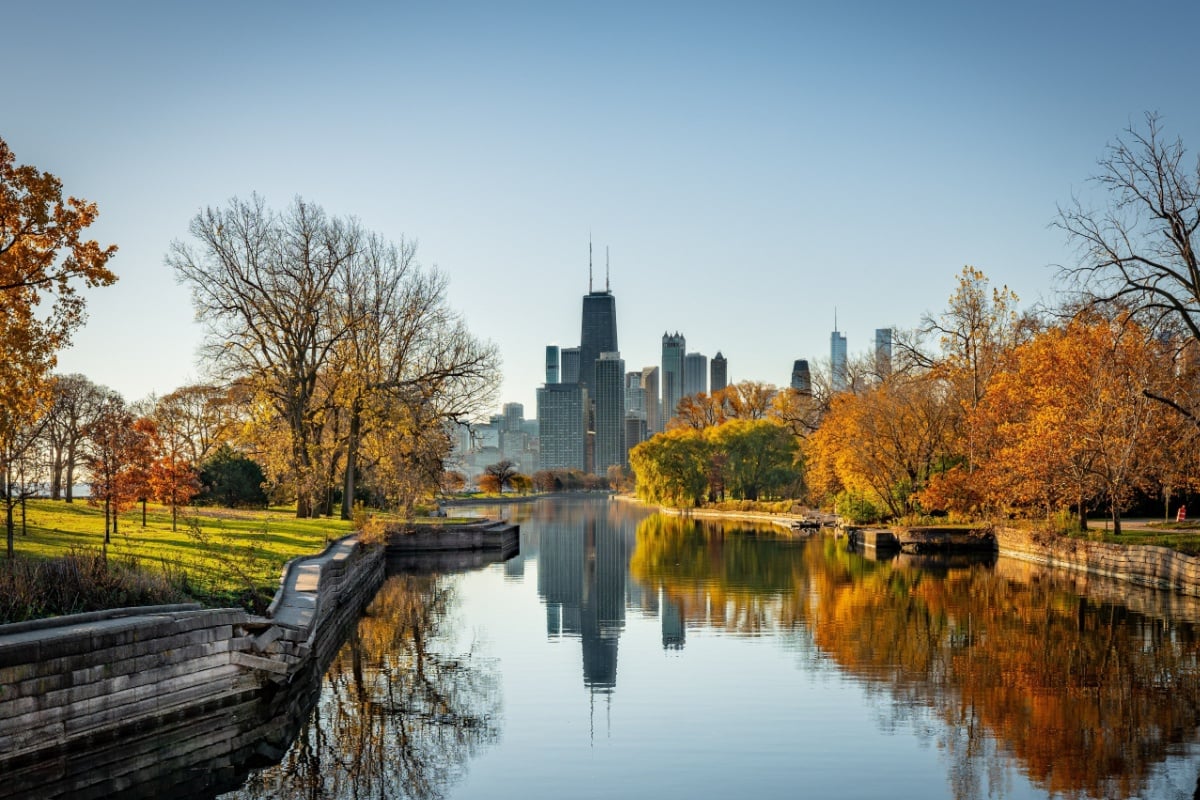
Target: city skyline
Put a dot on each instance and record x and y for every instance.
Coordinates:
(944, 136)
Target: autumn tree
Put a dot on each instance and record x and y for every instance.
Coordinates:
(265, 284)
(115, 448)
(1140, 251)
(758, 457)
(44, 262)
(75, 402)
(671, 468)
(502, 471)
(1072, 418)
(196, 419)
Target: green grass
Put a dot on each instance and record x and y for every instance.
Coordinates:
(222, 551)
(1184, 536)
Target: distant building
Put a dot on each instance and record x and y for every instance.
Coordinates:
(514, 415)
(801, 377)
(598, 330)
(719, 373)
(635, 397)
(562, 426)
(570, 364)
(838, 365)
(652, 400)
(883, 352)
(635, 431)
(610, 413)
(672, 374)
(552, 363)
(695, 374)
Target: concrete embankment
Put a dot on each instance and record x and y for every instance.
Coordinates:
(170, 685)
(1143, 565)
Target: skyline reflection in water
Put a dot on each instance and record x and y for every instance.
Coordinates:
(722, 659)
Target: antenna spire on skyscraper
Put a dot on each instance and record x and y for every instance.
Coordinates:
(607, 287)
(835, 327)
(589, 262)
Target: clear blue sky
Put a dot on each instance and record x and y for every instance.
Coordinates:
(751, 165)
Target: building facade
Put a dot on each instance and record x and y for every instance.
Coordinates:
(562, 426)
(610, 413)
(801, 377)
(673, 347)
(883, 352)
(598, 334)
(838, 365)
(695, 374)
(718, 373)
(651, 397)
(552, 373)
(569, 370)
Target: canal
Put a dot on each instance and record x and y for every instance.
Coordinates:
(632, 655)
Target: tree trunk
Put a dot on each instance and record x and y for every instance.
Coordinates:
(351, 461)
(1116, 518)
(69, 489)
(143, 512)
(1083, 526)
(56, 475)
(106, 507)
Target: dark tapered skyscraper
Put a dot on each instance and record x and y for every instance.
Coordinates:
(599, 331)
(719, 367)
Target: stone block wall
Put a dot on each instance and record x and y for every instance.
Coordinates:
(1142, 565)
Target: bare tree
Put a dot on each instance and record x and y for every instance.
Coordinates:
(1140, 251)
(266, 285)
(76, 402)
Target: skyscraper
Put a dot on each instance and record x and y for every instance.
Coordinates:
(673, 347)
(562, 426)
(838, 374)
(801, 377)
(635, 431)
(883, 352)
(610, 412)
(635, 397)
(598, 332)
(652, 399)
(719, 373)
(551, 363)
(570, 365)
(695, 374)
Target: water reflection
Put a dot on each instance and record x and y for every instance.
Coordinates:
(1086, 686)
(403, 706)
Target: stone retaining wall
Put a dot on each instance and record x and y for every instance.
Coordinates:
(1143, 565)
(69, 685)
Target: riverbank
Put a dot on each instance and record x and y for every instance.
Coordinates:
(792, 523)
(503, 500)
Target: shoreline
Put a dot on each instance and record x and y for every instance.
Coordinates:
(788, 522)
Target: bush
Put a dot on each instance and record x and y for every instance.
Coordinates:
(83, 580)
(856, 509)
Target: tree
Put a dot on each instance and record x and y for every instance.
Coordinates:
(1141, 253)
(759, 456)
(266, 286)
(195, 419)
(503, 472)
(232, 479)
(74, 405)
(671, 467)
(44, 261)
(114, 445)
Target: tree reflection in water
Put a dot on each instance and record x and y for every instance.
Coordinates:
(1084, 685)
(400, 711)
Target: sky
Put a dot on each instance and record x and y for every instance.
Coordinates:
(750, 167)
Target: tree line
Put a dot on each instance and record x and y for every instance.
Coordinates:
(335, 363)
(988, 409)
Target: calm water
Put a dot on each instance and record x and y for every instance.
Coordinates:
(624, 655)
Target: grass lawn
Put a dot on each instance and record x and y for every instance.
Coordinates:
(1181, 536)
(222, 550)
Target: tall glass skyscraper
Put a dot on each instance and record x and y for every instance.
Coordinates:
(552, 363)
(610, 412)
(598, 334)
(801, 377)
(562, 426)
(883, 352)
(673, 347)
(838, 366)
(695, 374)
(570, 372)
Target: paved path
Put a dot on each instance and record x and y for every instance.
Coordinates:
(298, 604)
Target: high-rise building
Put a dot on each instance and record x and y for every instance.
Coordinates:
(635, 431)
(801, 377)
(552, 363)
(652, 399)
(598, 333)
(513, 416)
(695, 374)
(838, 366)
(673, 347)
(883, 352)
(610, 413)
(562, 426)
(635, 398)
(570, 365)
(719, 373)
